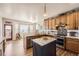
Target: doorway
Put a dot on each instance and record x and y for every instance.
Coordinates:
(8, 31)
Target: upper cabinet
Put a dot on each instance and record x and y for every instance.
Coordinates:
(71, 19)
(53, 24)
(50, 24)
(77, 21)
(46, 24)
(63, 19)
(57, 21)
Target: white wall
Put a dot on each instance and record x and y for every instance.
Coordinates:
(15, 26)
(34, 12)
(1, 31)
(15, 29)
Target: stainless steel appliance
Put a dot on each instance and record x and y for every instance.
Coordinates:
(61, 33)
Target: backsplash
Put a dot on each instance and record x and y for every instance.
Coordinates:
(54, 32)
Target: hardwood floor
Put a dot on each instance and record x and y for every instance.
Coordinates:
(15, 48)
(59, 52)
(62, 52)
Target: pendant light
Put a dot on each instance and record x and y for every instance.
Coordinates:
(45, 11)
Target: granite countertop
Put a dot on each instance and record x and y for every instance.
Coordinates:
(68, 36)
(74, 37)
(41, 41)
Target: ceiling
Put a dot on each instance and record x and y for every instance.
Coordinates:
(33, 12)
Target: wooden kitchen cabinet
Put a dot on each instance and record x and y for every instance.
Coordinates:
(70, 21)
(78, 19)
(53, 24)
(46, 24)
(72, 44)
(50, 24)
(70, 18)
(58, 20)
(63, 19)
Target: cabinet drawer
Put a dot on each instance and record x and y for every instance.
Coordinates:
(72, 45)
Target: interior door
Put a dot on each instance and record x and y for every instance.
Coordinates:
(8, 31)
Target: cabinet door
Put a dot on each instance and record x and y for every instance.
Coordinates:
(70, 21)
(50, 24)
(78, 19)
(63, 19)
(74, 20)
(46, 24)
(58, 20)
(53, 23)
(72, 45)
(78, 46)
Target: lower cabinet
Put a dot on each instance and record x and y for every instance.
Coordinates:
(72, 44)
(46, 50)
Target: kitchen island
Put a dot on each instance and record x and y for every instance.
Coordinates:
(28, 39)
(71, 43)
(44, 46)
